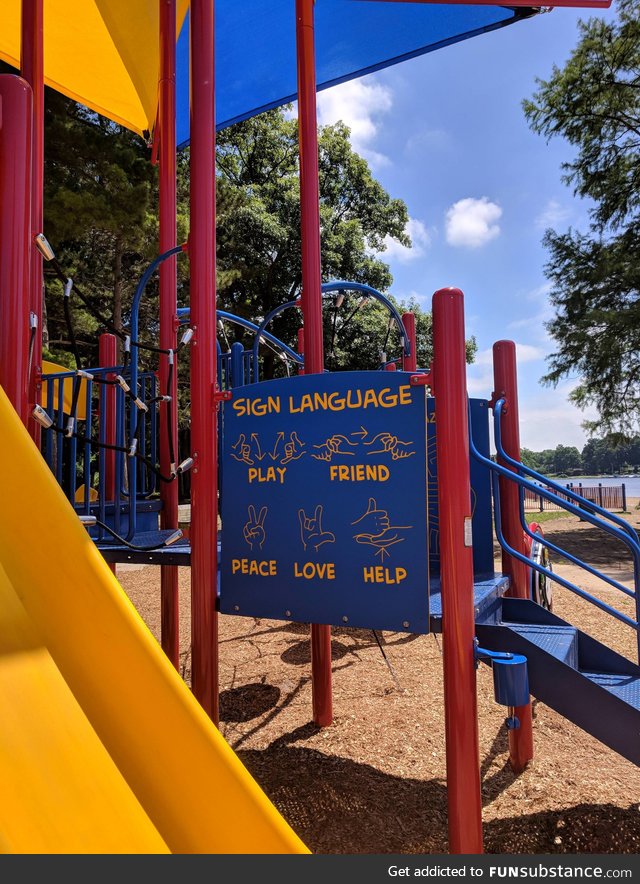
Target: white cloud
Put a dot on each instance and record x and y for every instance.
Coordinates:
(552, 215)
(539, 293)
(428, 139)
(420, 239)
(359, 104)
(472, 223)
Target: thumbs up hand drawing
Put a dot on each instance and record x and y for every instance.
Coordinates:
(373, 521)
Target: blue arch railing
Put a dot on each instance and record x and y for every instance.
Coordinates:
(328, 288)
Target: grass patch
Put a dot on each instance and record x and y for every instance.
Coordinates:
(550, 516)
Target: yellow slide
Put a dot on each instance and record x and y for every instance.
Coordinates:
(103, 749)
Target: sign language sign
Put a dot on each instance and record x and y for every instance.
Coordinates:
(324, 503)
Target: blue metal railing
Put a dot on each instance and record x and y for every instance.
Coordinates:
(586, 510)
(561, 490)
(328, 288)
(79, 461)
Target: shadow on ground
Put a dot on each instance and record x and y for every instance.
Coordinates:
(340, 806)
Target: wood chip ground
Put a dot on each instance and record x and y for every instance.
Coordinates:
(374, 782)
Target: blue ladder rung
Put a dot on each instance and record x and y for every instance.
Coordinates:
(560, 642)
(625, 687)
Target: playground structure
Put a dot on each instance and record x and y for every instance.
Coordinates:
(112, 429)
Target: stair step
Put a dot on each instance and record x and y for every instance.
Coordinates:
(559, 641)
(626, 687)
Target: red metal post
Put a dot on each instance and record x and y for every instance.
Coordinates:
(169, 599)
(32, 69)
(505, 379)
(204, 418)
(456, 556)
(410, 362)
(16, 116)
(312, 294)
(107, 356)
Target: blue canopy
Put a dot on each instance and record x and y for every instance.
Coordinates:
(256, 49)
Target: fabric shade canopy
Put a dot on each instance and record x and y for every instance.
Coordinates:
(256, 49)
(104, 53)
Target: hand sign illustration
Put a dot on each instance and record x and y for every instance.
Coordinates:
(311, 531)
(242, 451)
(253, 531)
(334, 446)
(387, 443)
(293, 449)
(375, 529)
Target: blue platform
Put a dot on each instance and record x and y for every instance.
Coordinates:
(487, 600)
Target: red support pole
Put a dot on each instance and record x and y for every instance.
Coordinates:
(312, 294)
(505, 379)
(301, 348)
(169, 599)
(204, 418)
(32, 69)
(16, 115)
(456, 555)
(107, 356)
(410, 362)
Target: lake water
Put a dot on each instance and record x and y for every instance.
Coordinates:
(632, 484)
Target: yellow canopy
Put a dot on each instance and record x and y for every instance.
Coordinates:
(102, 53)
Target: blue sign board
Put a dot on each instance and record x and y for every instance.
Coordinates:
(324, 505)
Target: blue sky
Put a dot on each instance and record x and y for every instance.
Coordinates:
(446, 133)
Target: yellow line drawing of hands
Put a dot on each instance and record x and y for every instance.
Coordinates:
(311, 532)
(253, 531)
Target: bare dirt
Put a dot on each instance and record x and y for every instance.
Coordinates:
(375, 782)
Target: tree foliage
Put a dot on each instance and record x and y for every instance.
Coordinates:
(594, 102)
(101, 218)
(606, 455)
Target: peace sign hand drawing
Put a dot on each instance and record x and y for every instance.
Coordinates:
(311, 529)
(254, 532)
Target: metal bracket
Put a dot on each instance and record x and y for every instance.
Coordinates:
(495, 397)
(422, 380)
(221, 396)
(485, 654)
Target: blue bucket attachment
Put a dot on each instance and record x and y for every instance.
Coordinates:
(510, 679)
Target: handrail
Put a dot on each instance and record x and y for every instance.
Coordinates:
(327, 288)
(499, 470)
(623, 536)
(540, 538)
(553, 575)
(339, 285)
(549, 483)
(261, 331)
(250, 326)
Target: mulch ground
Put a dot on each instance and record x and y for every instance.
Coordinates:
(374, 782)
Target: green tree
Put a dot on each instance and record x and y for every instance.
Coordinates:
(259, 237)
(594, 102)
(567, 460)
(99, 217)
